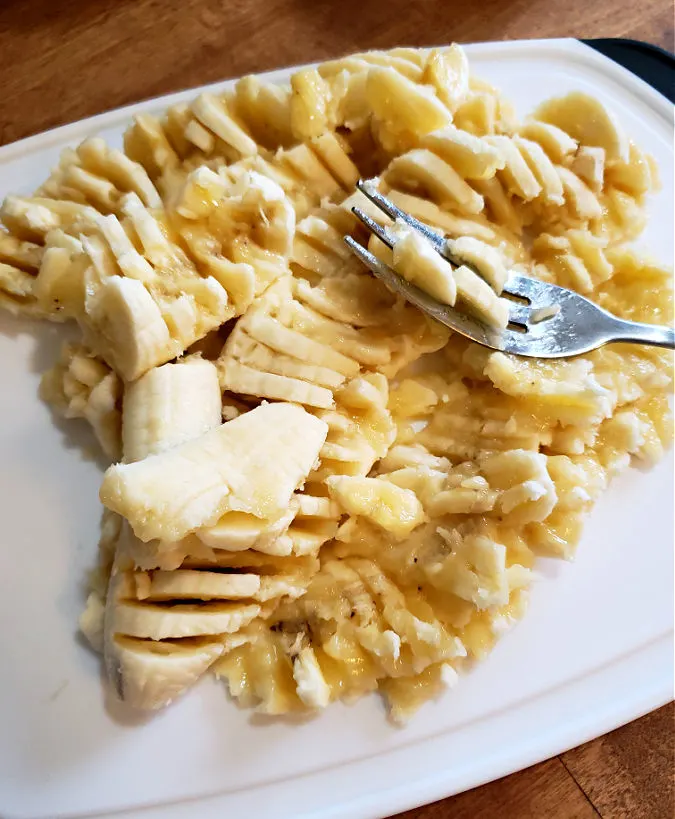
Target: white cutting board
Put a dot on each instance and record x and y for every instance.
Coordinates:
(595, 650)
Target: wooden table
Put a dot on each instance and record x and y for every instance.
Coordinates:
(61, 60)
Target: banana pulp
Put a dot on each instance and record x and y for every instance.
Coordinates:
(290, 504)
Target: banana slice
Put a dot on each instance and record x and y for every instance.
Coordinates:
(516, 173)
(169, 495)
(416, 260)
(188, 584)
(448, 71)
(126, 327)
(471, 156)
(542, 168)
(83, 386)
(309, 104)
(485, 259)
(557, 144)
(148, 674)
(237, 531)
(423, 169)
(480, 298)
(213, 114)
(181, 620)
(91, 621)
(587, 120)
(311, 685)
(332, 153)
(395, 509)
(32, 218)
(169, 405)
(402, 105)
(589, 164)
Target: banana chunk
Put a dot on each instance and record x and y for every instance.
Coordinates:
(237, 531)
(169, 495)
(417, 261)
(149, 674)
(181, 620)
(168, 406)
(396, 510)
(586, 120)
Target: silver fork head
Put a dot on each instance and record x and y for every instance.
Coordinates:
(545, 321)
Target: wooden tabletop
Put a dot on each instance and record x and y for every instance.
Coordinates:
(61, 60)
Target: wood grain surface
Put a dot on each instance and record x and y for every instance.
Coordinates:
(61, 60)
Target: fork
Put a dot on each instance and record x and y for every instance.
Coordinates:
(545, 321)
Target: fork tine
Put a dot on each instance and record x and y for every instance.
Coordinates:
(535, 291)
(368, 189)
(519, 314)
(382, 233)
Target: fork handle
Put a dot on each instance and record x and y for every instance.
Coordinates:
(634, 332)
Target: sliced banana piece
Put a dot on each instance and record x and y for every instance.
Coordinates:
(125, 326)
(189, 584)
(148, 674)
(169, 495)
(236, 531)
(587, 120)
(168, 406)
(181, 620)
(395, 509)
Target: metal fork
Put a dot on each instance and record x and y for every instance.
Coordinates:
(546, 321)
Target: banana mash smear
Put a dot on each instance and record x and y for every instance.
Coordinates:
(290, 504)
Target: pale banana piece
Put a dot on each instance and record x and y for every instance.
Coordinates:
(589, 164)
(157, 554)
(447, 69)
(59, 285)
(237, 531)
(579, 195)
(150, 674)
(311, 685)
(155, 650)
(182, 620)
(91, 621)
(586, 120)
(306, 537)
(82, 386)
(308, 523)
(417, 261)
(188, 584)
(32, 218)
(169, 495)
(516, 173)
(480, 298)
(309, 103)
(168, 406)
(201, 190)
(557, 144)
(285, 585)
(542, 168)
(471, 156)
(125, 326)
(333, 155)
(486, 259)
(422, 168)
(395, 509)
(238, 377)
(397, 100)
(213, 114)
(310, 506)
